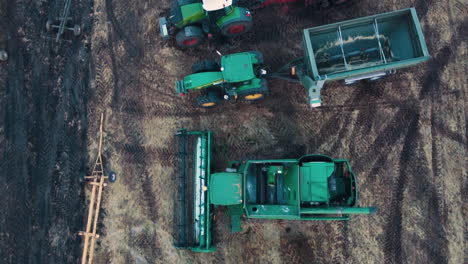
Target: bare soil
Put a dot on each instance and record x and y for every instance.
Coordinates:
(405, 136)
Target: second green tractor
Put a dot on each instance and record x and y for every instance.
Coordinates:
(240, 76)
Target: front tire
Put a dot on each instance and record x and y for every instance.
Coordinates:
(209, 100)
(190, 36)
(255, 94)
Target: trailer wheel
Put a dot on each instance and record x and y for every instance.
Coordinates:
(209, 100)
(190, 36)
(256, 93)
(205, 66)
(77, 30)
(49, 24)
(112, 176)
(3, 55)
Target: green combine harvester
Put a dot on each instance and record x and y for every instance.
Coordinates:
(191, 21)
(313, 187)
(360, 49)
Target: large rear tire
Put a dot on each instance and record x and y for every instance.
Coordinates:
(238, 26)
(256, 93)
(205, 66)
(209, 100)
(190, 36)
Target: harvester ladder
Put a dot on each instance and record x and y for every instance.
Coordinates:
(97, 185)
(377, 35)
(340, 38)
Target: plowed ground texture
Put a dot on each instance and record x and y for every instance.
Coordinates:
(405, 136)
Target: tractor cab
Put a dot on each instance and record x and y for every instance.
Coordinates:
(214, 5)
(217, 9)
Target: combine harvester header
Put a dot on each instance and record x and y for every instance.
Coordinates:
(312, 187)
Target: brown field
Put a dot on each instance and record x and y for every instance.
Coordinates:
(405, 136)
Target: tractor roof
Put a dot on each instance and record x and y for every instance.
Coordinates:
(237, 67)
(213, 5)
(225, 188)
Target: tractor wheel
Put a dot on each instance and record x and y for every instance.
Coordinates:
(190, 36)
(238, 26)
(209, 100)
(77, 30)
(49, 25)
(205, 66)
(256, 93)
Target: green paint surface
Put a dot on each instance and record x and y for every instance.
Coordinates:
(237, 67)
(314, 181)
(202, 80)
(191, 13)
(226, 188)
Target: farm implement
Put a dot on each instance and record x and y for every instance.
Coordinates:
(312, 187)
(365, 48)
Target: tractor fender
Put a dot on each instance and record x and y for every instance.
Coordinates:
(239, 14)
(254, 84)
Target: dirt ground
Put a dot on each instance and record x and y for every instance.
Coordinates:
(405, 136)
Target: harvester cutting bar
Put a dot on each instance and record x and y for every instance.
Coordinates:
(193, 217)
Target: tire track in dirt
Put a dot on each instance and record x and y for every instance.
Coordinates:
(135, 153)
(393, 230)
(430, 91)
(14, 166)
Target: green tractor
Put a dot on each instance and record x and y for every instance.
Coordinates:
(191, 21)
(240, 75)
(362, 49)
(312, 187)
